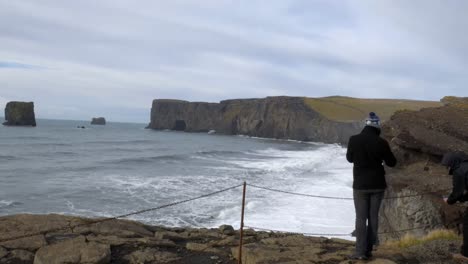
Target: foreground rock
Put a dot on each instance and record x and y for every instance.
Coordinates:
(98, 121)
(20, 114)
(120, 241)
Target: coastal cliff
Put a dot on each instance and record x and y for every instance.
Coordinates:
(20, 114)
(329, 119)
(272, 117)
(419, 139)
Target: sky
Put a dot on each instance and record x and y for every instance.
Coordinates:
(111, 58)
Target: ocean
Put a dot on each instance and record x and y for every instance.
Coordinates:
(104, 171)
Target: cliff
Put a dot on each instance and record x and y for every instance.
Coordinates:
(20, 114)
(419, 139)
(329, 119)
(98, 121)
(272, 117)
(76, 240)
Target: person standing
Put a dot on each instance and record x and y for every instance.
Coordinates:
(457, 163)
(367, 151)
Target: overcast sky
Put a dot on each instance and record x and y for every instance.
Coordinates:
(78, 59)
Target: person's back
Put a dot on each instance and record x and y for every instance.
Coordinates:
(367, 151)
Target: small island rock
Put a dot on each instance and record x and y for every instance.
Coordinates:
(98, 121)
(20, 114)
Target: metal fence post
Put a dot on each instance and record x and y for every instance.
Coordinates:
(242, 226)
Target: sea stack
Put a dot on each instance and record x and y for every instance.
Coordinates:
(98, 121)
(20, 114)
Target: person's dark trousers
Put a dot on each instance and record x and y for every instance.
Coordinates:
(464, 248)
(367, 206)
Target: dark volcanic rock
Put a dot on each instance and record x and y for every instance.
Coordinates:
(271, 117)
(20, 114)
(428, 133)
(98, 121)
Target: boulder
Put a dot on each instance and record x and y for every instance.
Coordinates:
(227, 230)
(72, 251)
(121, 228)
(20, 114)
(98, 121)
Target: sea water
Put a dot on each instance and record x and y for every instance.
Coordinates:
(104, 171)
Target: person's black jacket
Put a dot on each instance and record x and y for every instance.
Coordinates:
(368, 151)
(458, 163)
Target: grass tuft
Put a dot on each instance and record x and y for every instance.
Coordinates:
(410, 240)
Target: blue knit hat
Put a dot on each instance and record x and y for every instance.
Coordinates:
(373, 120)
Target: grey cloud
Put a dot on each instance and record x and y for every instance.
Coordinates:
(113, 55)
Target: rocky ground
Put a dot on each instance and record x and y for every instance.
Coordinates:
(121, 241)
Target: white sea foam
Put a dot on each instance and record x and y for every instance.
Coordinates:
(319, 171)
(6, 203)
(322, 171)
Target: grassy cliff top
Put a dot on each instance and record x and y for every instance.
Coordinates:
(341, 108)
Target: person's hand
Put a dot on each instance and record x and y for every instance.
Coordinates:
(445, 199)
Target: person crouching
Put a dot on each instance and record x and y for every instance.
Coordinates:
(457, 163)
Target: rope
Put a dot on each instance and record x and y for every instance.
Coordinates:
(332, 197)
(299, 194)
(296, 233)
(119, 216)
(330, 235)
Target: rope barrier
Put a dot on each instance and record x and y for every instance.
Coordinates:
(119, 216)
(212, 194)
(299, 194)
(335, 198)
(296, 233)
(329, 234)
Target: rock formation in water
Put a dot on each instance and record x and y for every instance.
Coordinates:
(19, 114)
(419, 139)
(98, 121)
(272, 117)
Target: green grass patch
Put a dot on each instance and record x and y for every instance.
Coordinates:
(341, 108)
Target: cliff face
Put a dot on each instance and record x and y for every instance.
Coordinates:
(20, 114)
(272, 117)
(419, 139)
